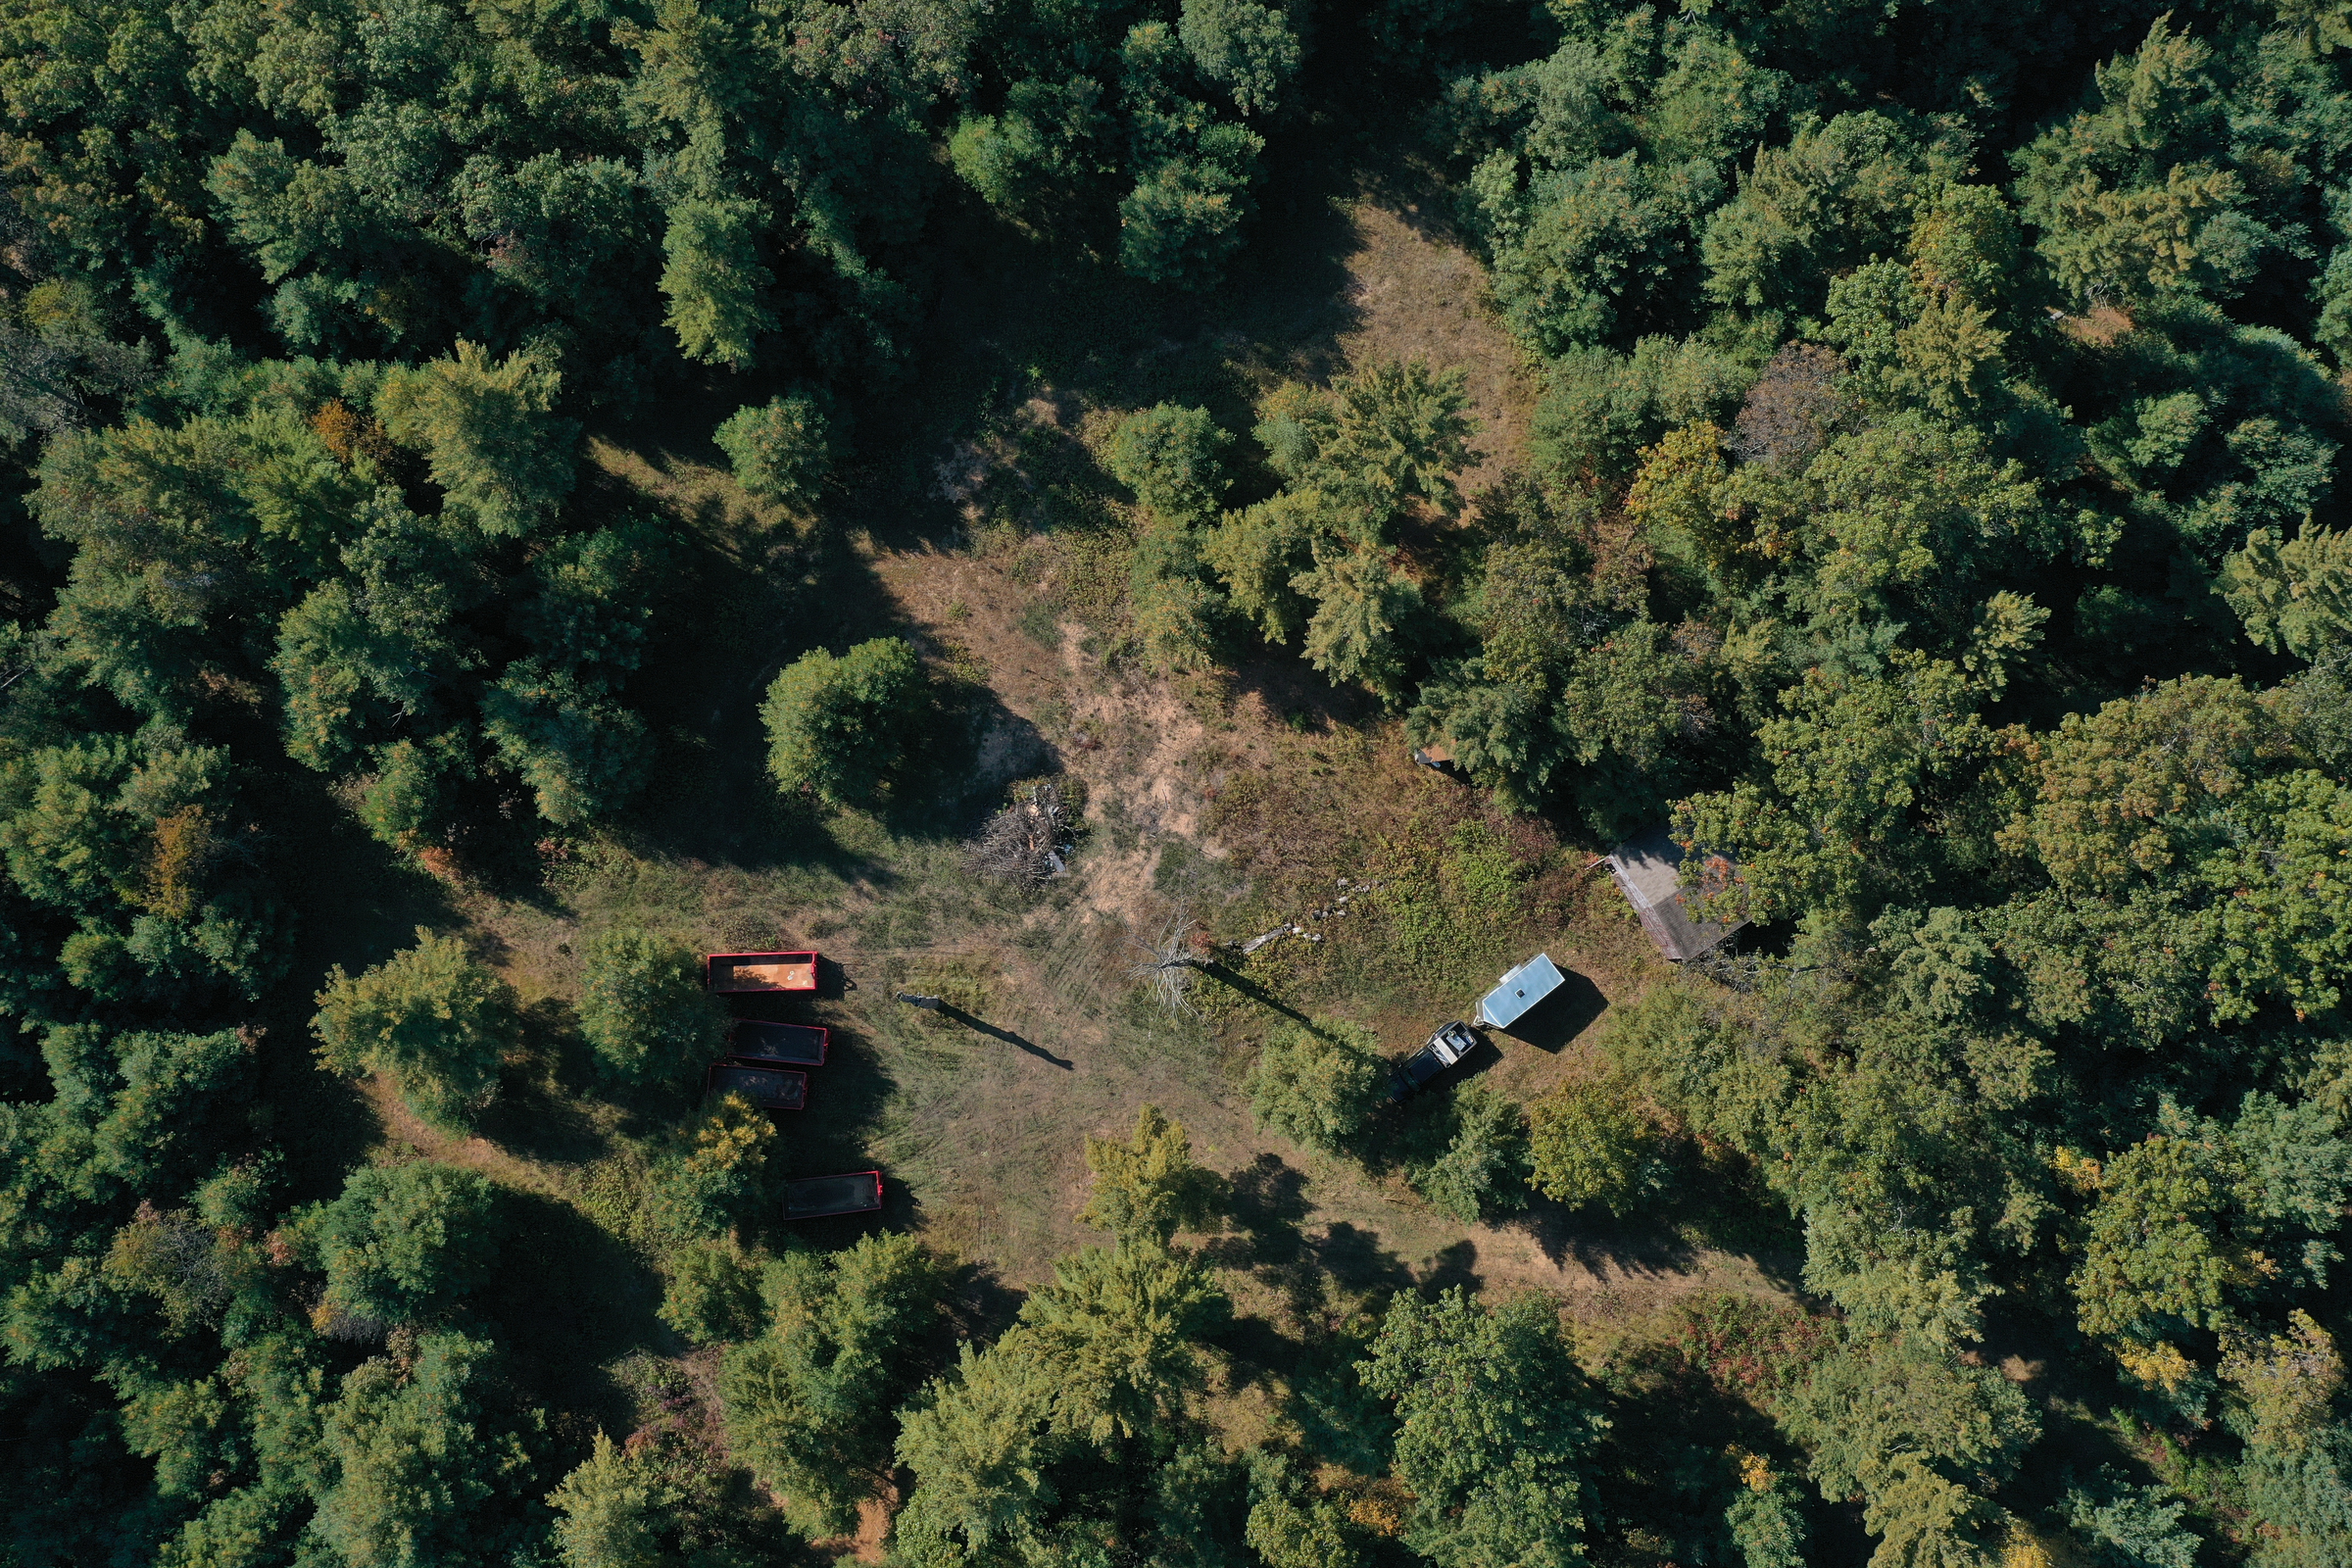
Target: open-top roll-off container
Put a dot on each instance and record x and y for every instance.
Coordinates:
(768, 1087)
(758, 1043)
(857, 1191)
(734, 972)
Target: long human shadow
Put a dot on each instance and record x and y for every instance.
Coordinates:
(1252, 989)
(949, 1010)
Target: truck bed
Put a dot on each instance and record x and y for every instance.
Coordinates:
(856, 1191)
(758, 1043)
(759, 971)
(768, 1087)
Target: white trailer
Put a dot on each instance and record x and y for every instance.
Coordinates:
(1518, 991)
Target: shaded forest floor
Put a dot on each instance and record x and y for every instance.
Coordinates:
(995, 542)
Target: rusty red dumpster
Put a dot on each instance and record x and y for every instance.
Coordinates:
(768, 1087)
(759, 971)
(857, 1192)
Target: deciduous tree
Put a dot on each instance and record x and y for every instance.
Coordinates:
(642, 1005)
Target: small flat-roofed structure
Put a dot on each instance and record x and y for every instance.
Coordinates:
(768, 1087)
(1439, 759)
(857, 1191)
(759, 971)
(1519, 991)
(762, 1044)
(1648, 870)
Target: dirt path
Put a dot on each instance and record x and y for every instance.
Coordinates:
(404, 1126)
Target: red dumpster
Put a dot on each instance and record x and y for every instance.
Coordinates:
(768, 1087)
(759, 971)
(857, 1192)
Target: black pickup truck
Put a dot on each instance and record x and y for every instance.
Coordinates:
(1449, 1045)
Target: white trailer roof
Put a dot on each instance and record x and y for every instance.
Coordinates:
(1538, 977)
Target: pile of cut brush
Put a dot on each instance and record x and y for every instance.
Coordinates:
(1030, 840)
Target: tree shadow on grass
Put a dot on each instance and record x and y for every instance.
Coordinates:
(1776, 1245)
(1591, 1237)
(1265, 1209)
(1266, 1205)
(1356, 1261)
(1451, 1267)
(1297, 693)
(743, 604)
(319, 1119)
(846, 1098)
(1263, 1353)
(570, 1297)
(539, 1113)
(360, 903)
(980, 1305)
(1249, 988)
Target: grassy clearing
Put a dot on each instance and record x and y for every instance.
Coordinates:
(1232, 804)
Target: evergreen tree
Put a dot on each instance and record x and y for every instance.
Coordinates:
(643, 1008)
(423, 1461)
(1149, 1189)
(491, 442)
(782, 450)
(402, 1243)
(809, 1402)
(430, 1019)
(841, 726)
(1318, 1083)
(1590, 1146)
(1495, 1426)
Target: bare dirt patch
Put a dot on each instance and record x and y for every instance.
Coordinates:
(1148, 737)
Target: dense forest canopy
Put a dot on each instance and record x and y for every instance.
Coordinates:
(1929, 506)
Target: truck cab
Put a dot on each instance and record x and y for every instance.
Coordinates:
(1443, 1049)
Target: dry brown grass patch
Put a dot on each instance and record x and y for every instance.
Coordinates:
(1423, 298)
